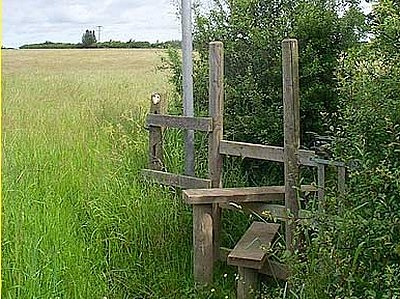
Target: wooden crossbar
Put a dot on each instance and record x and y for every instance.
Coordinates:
(263, 152)
(176, 180)
(249, 194)
(180, 122)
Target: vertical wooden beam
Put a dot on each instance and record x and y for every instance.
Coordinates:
(216, 103)
(216, 107)
(321, 185)
(341, 180)
(248, 283)
(157, 106)
(203, 243)
(291, 106)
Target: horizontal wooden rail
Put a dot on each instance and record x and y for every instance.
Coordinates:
(262, 152)
(176, 180)
(328, 162)
(250, 194)
(180, 122)
(239, 195)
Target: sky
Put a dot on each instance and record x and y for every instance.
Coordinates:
(37, 21)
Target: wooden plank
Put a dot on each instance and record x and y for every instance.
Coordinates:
(250, 150)
(180, 122)
(157, 106)
(263, 152)
(250, 194)
(291, 118)
(203, 255)
(239, 195)
(251, 250)
(328, 162)
(176, 180)
(248, 283)
(270, 268)
(216, 103)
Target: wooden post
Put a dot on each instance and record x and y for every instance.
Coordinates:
(248, 283)
(321, 185)
(203, 260)
(291, 106)
(341, 180)
(216, 103)
(156, 162)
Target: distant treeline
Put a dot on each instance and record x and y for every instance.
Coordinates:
(109, 44)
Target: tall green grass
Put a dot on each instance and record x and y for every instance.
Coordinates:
(78, 219)
(78, 222)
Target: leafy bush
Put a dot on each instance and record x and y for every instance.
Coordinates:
(252, 32)
(356, 251)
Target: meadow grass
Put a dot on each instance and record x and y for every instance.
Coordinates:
(78, 219)
(78, 222)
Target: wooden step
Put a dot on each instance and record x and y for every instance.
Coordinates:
(239, 195)
(251, 250)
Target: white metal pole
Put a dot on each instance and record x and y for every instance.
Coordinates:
(187, 70)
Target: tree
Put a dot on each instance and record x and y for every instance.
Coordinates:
(89, 38)
(252, 32)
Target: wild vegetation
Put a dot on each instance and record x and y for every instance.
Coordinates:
(80, 222)
(78, 219)
(349, 81)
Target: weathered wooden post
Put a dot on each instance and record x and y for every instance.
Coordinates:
(157, 106)
(203, 255)
(341, 180)
(248, 283)
(207, 217)
(291, 106)
(321, 185)
(216, 107)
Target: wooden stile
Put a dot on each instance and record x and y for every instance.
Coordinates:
(208, 197)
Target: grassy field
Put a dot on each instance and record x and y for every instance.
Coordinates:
(78, 220)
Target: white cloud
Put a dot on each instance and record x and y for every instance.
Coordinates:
(29, 21)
